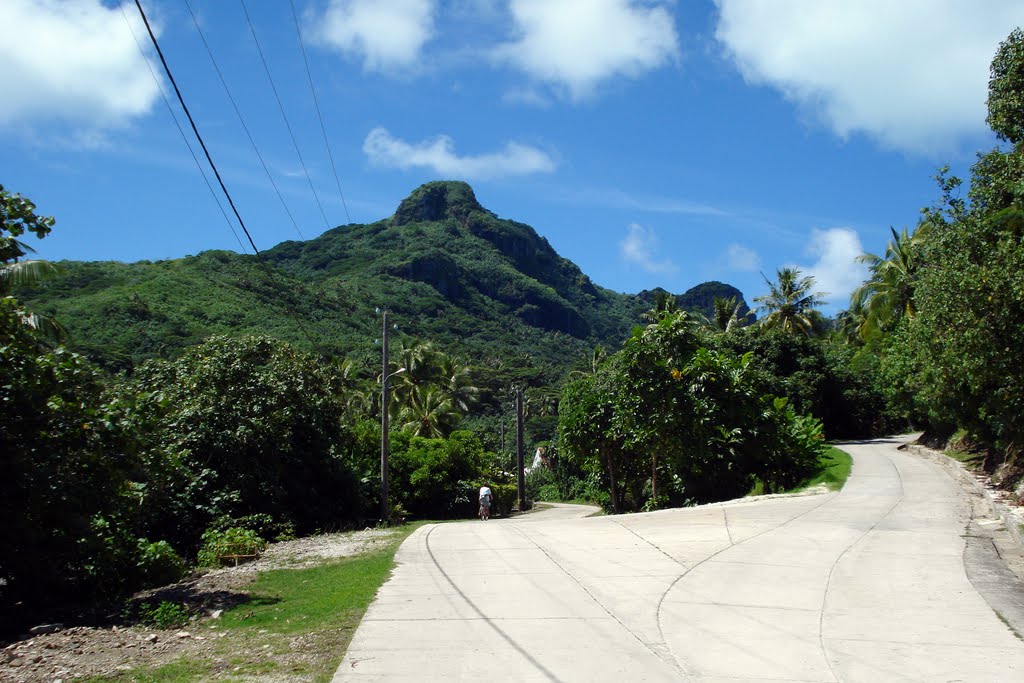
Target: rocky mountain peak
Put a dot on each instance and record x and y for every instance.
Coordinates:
(436, 201)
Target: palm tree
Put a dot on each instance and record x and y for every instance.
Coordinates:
(790, 304)
(28, 274)
(591, 362)
(889, 292)
(456, 380)
(430, 414)
(664, 305)
(850, 323)
(726, 316)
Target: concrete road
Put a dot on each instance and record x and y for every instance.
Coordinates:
(865, 585)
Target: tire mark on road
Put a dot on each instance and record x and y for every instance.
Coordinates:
(511, 641)
(645, 644)
(831, 571)
(661, 602)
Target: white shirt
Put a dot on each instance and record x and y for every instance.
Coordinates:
(484, 491)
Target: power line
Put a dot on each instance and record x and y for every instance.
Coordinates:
(323, 129)
(184, 137)
(283, 114)
(241, 120)
(209, 159)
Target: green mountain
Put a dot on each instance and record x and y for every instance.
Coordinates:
(700, 299)
(444, 267)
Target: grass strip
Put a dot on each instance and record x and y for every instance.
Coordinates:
(319, 606)
(834, 468)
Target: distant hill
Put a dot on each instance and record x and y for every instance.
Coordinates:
(447, 269)
(701, 299)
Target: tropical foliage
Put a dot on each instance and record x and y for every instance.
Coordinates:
(942, 312)
(672, 420)
(791, 304)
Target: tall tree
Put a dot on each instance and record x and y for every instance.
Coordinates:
(18, 216)
(888, 293)
(791, 305)
(727, 314)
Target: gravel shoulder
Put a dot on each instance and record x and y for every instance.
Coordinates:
(115, 652)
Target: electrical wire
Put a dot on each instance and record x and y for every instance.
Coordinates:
(184, 137)
(280, 106)
(316, 101)
(241, 120)
(177, 91)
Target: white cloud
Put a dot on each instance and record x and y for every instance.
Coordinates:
(836, 271)
(438, 154)
(386, 34)
(577, 44)
(72, 61)
(639, 248)
(913, 74)
(742, 258)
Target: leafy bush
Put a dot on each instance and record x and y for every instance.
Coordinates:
(159, 564)
(165, 615)
(218, 545)
(262, 524)
(434, 478)
(246, 427)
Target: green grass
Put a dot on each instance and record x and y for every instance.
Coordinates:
(833, 469)
(301, 600)
(324, 604)
(971, 460)
(179, 671)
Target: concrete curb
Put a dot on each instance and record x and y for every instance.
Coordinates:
(1010, 520)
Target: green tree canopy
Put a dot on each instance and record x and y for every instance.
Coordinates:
(791, 305)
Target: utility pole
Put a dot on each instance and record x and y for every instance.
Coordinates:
(385, 510)
(519, 449)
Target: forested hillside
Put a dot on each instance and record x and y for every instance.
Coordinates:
(446, 269)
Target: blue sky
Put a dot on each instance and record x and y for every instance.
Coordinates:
(653, 143)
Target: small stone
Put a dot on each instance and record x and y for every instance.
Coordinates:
(151, 638)
(58, 680)
(16, 662)
(124, 667)
(216, 613)
(37, 659)
(183, 634)
(45, 628)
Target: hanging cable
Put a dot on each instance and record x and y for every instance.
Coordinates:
(209, 159)
(238, 113)
(241, 120)
(280, 105)
(316, 101)
(184, 137)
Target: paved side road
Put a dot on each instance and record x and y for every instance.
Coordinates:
(865, 585)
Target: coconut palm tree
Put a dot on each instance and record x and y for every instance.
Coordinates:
(726, 316)
(791, 305)
(430, 413)
(664, 305)
(850, 323)
(889, 292)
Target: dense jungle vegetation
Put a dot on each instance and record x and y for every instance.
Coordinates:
(156, 414)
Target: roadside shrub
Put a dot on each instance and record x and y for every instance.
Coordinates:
(264, 525)
(158, 563)
(434, 478)
(165, 615)
(218, 545)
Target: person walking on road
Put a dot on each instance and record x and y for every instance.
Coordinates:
(485, 503)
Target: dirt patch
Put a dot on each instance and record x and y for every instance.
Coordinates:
(79, 652)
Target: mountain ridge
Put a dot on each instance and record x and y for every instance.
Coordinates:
(447, 269)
